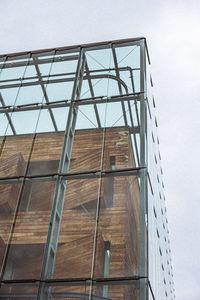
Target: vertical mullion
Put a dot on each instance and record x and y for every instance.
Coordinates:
(143, 174)
(58, 201)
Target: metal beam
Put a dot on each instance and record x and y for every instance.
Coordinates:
(122, 103)
(54, 295)
(60, 188)
(44, 92)
(66, 103)
(40, 61)
(72, 176)
(73, 48)
(14, 85)
(143, 178)
(133, 87)
(69, 73)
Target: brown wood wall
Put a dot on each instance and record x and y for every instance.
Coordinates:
(118, 220)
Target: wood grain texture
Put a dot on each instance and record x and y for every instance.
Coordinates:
(118, 219)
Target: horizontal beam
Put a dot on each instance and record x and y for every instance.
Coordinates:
(128, 42)
(73, 176)
(66, 103)
(122, 69)
(38, 82)
(56, 295)
(30, 62)
(73, 281)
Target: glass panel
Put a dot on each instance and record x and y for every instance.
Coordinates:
(9, 194)
(70, 291)
(122, 135)
(88, 139)
(13, 72)
(118, 148)
(46, 153)
(116, 290)
(25, 253)
(60, 115)
(128, 57)
(118, 226)
(100, 74)
(61, 79)
(11, 79)
(15, 155)
(75, 245)
(21, 291)
(99, 236)
(98, 291)
(99, 59)
(24, 122)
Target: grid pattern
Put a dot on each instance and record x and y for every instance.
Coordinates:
(76, 175)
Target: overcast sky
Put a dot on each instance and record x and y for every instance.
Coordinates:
(172, 29)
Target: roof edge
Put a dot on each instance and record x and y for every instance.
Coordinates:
(93, 44)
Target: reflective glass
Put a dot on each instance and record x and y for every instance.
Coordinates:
(118, 228)
(15, 155)
(76, 240)
(70, 290)
(26, 248)
(96, 291)
(128, 57)
(118, 151)
(46, 153)
(87, 149)
(120, 290)
(75, 128)
(12, 74)
(62, 76)
(9, 197)
(20, 291)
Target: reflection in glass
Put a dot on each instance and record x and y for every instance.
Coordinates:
(9, 194)
(25, 252)
(81, 111)
(118, 225)
(76, 239)
(15, 154)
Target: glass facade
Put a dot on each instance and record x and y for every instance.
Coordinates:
(82, 205)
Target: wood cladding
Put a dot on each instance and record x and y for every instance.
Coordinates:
(118, 218)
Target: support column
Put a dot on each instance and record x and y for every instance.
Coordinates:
(143, 175)
(60, 188)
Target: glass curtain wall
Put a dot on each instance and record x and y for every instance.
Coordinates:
(76, 176)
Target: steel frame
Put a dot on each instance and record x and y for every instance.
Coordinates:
(83, 73)
(59, 196)
(143, 177)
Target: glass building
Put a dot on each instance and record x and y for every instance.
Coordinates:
(82, 205)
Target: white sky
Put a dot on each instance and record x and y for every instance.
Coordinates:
(172, 29)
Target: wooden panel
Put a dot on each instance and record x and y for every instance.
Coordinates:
(15, 148)
(12, 165)
(74, 259)
(47, 148)
(133, 225)
(118, 221)
(2, 249)
(8, 197)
